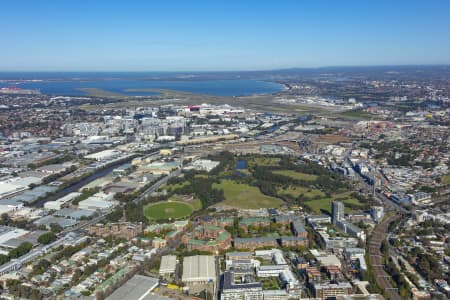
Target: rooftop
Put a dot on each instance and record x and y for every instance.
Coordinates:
(134, 289)
(199, 268)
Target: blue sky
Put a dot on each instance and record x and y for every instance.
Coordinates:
(90, 35)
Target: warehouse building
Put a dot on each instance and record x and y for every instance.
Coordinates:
(7, 233)
(16, 185)
(95, 204)
(199, 269)
(59, 203)
(33, 195)
(137, 288)
(104, 155)
(202, 165)
(168, 265)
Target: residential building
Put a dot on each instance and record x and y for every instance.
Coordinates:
(293, 241)
(337, 211)
(253, 243)
(125, 230)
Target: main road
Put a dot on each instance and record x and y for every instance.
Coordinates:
(157, 185)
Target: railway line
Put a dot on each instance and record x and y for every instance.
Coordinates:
(376, 258)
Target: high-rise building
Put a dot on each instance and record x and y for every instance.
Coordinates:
(337, 211)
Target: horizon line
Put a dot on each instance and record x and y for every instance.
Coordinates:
(230, 70)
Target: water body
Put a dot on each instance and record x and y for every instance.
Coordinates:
(241, 164)
(69, 84)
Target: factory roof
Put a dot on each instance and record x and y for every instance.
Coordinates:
(168, 264)
(199, 268)
(136, 288)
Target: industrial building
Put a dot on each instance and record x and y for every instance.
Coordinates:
(137, 288)
(16, 185)
(202, 165)
(95, 204)
(199, 269)
(168, 265)
(99, 201)
(104, 155)
(34, 194)
(59, 203)
(7, 233)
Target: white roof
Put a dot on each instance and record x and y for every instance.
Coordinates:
(10, 233)
(57, 203)
(168, 264)
(329, 260)
(93, 204)
(199, 268)
(5, 209)
(17, 184)
(69, 197)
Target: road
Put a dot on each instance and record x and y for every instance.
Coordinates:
(79, 226)
(382, 278)
(157, 185)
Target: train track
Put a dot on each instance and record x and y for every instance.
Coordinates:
(376, 258)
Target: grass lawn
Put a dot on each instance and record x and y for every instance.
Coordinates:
(357, 114)
(295, 191)
(195, 203)
(446, 179)
(325, 203)
(264, 161)
(245, 196)
(201, 176)
(172, 187)
(270, 283)
(296, 175)
(166, 210)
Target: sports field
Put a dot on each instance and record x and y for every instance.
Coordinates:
(167, 210)
(296, 175)
(245, 196)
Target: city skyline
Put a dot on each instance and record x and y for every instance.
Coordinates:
(232, 36)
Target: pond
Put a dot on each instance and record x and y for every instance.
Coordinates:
(241, 164)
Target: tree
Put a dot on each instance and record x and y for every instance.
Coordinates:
(23, 248)
(55, 228)
(47, 238)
